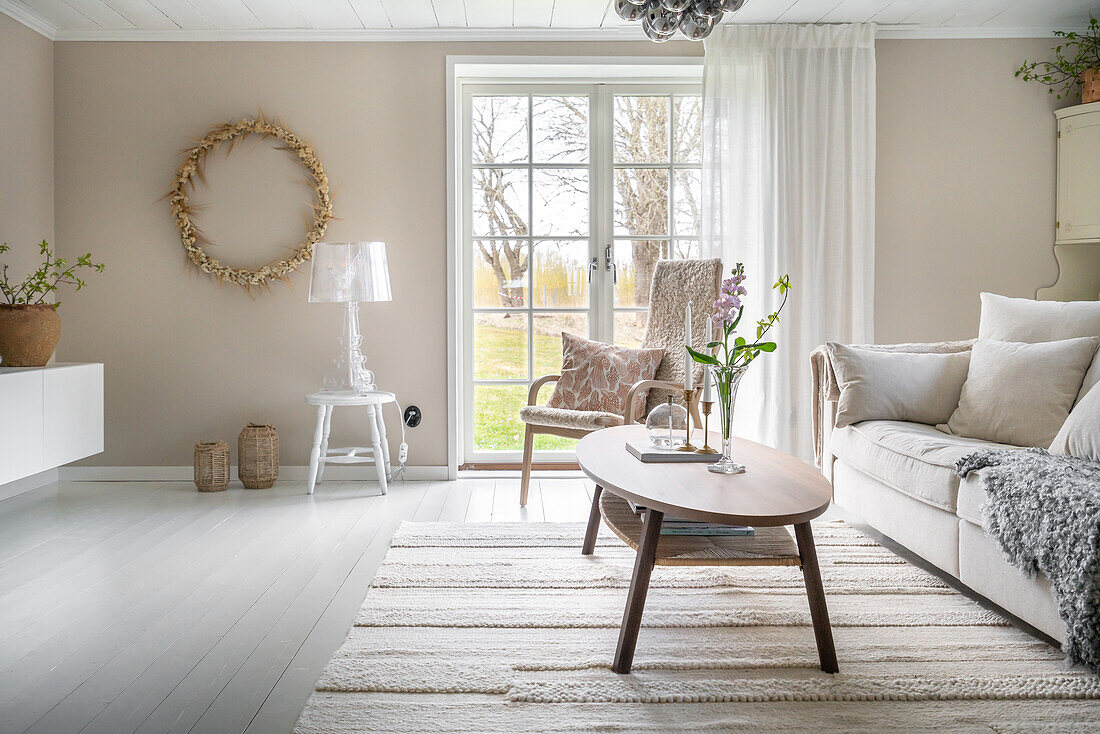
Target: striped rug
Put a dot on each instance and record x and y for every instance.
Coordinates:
(500, 627)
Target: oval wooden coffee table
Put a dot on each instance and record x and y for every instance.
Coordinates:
(776, 490)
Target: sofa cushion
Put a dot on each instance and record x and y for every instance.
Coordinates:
(1026, 320)
(1020, 393)
(1080, 434)
(912, 458)
(897, 386)
(972, 498)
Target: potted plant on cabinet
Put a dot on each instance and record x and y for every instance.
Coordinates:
(29, 326)
(1076, 61)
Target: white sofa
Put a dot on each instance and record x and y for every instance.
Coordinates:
(899, 477)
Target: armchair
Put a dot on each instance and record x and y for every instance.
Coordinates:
(675, 282)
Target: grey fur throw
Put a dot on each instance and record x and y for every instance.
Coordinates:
(1044, 510)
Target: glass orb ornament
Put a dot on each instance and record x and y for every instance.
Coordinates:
(675, 6)
(697, 27)
(667, 425)
(709, 8)
(629, 10)
(732, 6)
(662, 21)
(652, 34)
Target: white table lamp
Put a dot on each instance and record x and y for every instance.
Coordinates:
(350, 273)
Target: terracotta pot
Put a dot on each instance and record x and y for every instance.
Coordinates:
(1090, 86)
(28, 334)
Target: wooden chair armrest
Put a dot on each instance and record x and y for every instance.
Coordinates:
(628, 411)
(533, 393)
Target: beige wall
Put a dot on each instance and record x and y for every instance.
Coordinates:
(965, 202)
(189, 359)
(965, 184)
(26, 144)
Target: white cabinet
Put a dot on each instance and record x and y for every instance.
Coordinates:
(1077, 229)
(49, 416)
(1078, 217)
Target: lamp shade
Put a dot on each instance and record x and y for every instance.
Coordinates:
(349, 272)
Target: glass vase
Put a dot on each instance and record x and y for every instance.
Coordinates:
(727, 379)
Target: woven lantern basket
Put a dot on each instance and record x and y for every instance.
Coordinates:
(258, 456)
(1090, 86)
(212, 466)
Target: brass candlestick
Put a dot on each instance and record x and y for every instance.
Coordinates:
(707, 449)
(688, 394)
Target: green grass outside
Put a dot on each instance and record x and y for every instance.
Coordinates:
(503, 353)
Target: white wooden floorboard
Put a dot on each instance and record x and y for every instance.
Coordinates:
(145, 606)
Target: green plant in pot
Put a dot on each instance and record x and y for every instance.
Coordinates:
(1076, 62)
(29, 325)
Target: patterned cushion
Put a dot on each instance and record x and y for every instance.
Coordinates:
(597, 376)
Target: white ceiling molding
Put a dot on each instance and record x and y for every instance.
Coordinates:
(34, 21)
(29, 18)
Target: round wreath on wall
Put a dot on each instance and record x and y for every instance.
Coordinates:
(192, 168)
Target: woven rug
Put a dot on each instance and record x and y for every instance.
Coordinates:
(500, 627)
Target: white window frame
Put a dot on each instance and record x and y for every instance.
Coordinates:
(600, 76)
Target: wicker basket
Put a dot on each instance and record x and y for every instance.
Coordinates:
(212, 466)
(258, 456)
(1090, 86)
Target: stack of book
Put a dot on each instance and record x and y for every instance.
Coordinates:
(679, 526)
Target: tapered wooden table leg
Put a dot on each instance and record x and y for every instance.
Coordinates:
(815, 592)
(593, 523)
(639, 585)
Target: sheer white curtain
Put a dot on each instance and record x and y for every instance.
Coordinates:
(789, 187)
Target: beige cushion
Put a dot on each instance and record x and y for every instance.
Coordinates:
(972, 498)
(597, 376)
(1024, 320)
(1080, 434)
(912, 458)
(581, 420)
(1020, 394)
(877, 385)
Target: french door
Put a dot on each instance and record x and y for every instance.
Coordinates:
(570, 195)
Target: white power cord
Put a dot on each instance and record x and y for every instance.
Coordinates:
(403, 450)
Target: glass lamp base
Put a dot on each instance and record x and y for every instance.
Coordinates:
(726, 466)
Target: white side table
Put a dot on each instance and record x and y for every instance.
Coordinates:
(378, 453)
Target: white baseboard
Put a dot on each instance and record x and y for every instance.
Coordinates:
(26, 484)
(187, 473)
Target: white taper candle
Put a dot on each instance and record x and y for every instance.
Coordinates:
(689, 373)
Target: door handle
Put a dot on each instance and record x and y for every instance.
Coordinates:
(592, 266)
(609, 264)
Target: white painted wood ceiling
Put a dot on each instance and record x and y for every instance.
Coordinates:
(104, 19)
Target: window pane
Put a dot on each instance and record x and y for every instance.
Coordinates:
(499, 202)
(499, 129)
(635, 261)
(561, 201)
(686, 249)
(548, 329)
(500, 346)
(689, 190)
(641, 129)
(497, 426)
(561, 129)
(688, 134)
(500, 273)
(630, 328)
(561, 274)
(544, 442)
(641, 202)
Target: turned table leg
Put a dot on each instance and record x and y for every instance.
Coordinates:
(639, 585)
(815, 592)
(593, 523)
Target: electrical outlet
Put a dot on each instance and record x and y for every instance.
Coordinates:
(413, 416)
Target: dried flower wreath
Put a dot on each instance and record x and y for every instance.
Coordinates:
(192, 168)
